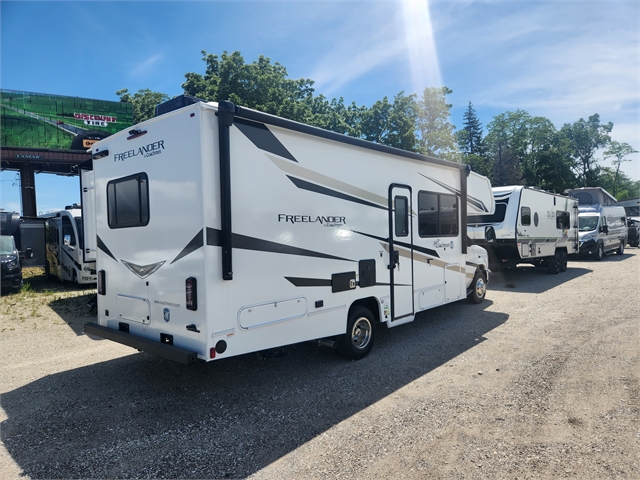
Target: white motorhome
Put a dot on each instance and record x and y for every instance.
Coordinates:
(531, 226)
(603, 225)
(64, 245)
(221, 230)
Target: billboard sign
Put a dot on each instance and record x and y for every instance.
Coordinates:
(41, 120)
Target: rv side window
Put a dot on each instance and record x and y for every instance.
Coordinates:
(562, 220)
(51, 232)
(402, 216)
(128, 201)
(525, 216)
(437, 215)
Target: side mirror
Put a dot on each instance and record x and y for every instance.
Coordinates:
(67, 240)
(604, 229)
(489, 234)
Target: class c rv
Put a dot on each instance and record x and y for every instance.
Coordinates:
(531, 226)
(64, 247)
(603, 225)
(222, 230)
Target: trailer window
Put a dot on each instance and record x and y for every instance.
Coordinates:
(525, 216)
(562, 220)
(402, 216)
(437, 214)
(67, 229)
(128, 201)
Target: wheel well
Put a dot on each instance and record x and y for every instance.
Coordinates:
(371, 303)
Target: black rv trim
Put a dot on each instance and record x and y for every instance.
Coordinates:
(464, 174)
(244, 242)
(170, 352)
(249, 114)
(226, 112)
(417, 248)
(262, 138)
(195, 243)
(78, 266)
(309, 282)
(100, 244)
(312, 187)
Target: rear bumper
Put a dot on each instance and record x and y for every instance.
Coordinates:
(170, 352)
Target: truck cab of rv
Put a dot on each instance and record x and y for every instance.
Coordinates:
(602, 225)
(64, 247)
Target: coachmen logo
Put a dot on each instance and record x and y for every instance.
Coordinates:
(150, 150)
(143, 271)
(439, 244)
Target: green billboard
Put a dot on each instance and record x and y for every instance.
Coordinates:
(40, 120)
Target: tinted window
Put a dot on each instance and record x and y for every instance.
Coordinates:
(525, 216)
(497, 217)
(128, 201)
(437, 214)
(67, 229)
(562, 220)
(402, 216)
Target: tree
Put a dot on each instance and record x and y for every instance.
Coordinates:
(261, 85)
(392, 124)
(470, 137)
(433, 130)
(144, 102)
(585, 138)
(507, 141)
(618, 151)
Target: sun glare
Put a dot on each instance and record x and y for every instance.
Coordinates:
(421, 46)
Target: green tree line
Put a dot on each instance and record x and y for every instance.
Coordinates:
(516, 149)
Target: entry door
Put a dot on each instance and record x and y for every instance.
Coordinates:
(401, 251)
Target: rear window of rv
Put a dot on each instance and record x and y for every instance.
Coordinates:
(128, 201)
(437, 215)
(525, 216)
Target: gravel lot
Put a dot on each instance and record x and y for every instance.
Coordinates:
(539, 381)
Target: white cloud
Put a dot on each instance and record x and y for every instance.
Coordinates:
(146, 66)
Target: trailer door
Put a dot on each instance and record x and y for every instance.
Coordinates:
(401, 251)
(88, 205)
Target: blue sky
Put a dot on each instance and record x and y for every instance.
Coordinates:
(563, 60)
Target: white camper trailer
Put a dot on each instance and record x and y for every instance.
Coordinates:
(531, 226)
(603, 225)
(64, 245)
(221, 230)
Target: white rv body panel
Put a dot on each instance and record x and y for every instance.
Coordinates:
(64, 240)
(531, 226)
(310, 233)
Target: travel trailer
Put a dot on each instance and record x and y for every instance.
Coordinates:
(64, 245)
(632, 209)
(531, 226)
(602, 224)
(221, 230)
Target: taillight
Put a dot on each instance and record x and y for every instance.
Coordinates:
(102, 285)
(191, 287)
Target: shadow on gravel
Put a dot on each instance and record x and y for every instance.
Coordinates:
(529, 279)
(141, 416)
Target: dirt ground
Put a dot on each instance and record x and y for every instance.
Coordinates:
(539, 381)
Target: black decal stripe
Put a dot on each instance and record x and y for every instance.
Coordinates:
(309, 282)
(249, 243)
(195, 243)
(312, 187)
(479, 204)
(243, 242)
(104, 248)
(262, 138)
(426, 251)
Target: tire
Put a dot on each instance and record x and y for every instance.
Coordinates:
(478, 288)
(357, 342)
(555, 263)
(563, 261)
(599, 255)
(620, 250)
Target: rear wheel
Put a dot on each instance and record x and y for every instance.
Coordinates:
(357, 342)
(555, 263)
(620, 249)
(478, 288)
(563, 261)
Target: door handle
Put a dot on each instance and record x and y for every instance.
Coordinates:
(395, 259)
